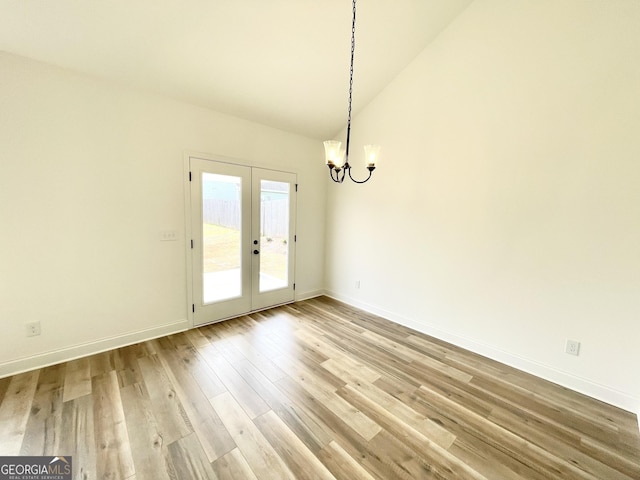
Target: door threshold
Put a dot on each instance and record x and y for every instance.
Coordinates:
(240, 315)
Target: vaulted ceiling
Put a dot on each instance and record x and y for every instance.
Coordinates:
(284, 63)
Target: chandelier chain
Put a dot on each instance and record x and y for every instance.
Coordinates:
(353, 49)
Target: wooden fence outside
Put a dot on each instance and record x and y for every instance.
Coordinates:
(274, 215)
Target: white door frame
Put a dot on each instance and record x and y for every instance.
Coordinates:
(188, 225)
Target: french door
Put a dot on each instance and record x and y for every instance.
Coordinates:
(242, 238)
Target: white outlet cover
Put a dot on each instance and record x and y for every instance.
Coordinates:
(33, 329)
(572, 347)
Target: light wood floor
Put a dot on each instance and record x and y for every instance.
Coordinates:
(314, 390)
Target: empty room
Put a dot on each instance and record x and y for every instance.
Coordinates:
(296, 239)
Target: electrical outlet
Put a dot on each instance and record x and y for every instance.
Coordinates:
(573, 347)
(358, 284)
(33, 329)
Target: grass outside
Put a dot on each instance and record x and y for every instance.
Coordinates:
(222, 252)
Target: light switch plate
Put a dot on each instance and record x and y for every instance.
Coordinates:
(168, 236)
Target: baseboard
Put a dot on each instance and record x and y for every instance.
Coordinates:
(582, 385)
(52, 357)
(309, 294)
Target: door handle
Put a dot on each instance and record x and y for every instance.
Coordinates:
(256, 252)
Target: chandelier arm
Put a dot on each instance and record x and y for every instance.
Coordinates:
(337, 178)
(362, 181)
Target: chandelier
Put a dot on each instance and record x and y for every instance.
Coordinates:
(337, 159)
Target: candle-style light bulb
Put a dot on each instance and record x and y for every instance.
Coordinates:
(332, 153)
(371, 155)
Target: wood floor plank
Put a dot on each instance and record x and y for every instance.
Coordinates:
(4, 385)
(213, 436)
(395, 387)
(77, 380)
(316, 316)
(102, 363)
(146, 349)
(261, 336)
(427, 346)
(44, 425)
(189, 459)
(326, 394)
(318, 416)
(246, 396)
(199, 369)
(297, 420)
(629, 465)
(338, 362)
(15, 410)
(260, 455)
(483, 457)
(418, 362)
(314, 389)
(170, 415)
(544, 461)
(349, 372)
(463, 393)
(470, 446)
(373, 356)
(260, 384)
(197, 338)
(579, 421)
(391, 457)
(251, 351)
(442, 464)
(536, 434)
(113, 452)
(386, 457)
(233, 466)
(300, 460)
(403, 413)
(220, 343)
(341, 464)
(127, 368)
(78, 437)
(149, 451)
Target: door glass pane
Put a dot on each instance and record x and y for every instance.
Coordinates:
(221, 233)
(274, 235)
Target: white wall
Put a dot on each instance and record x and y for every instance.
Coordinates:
(90, 173)
(505, 215)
